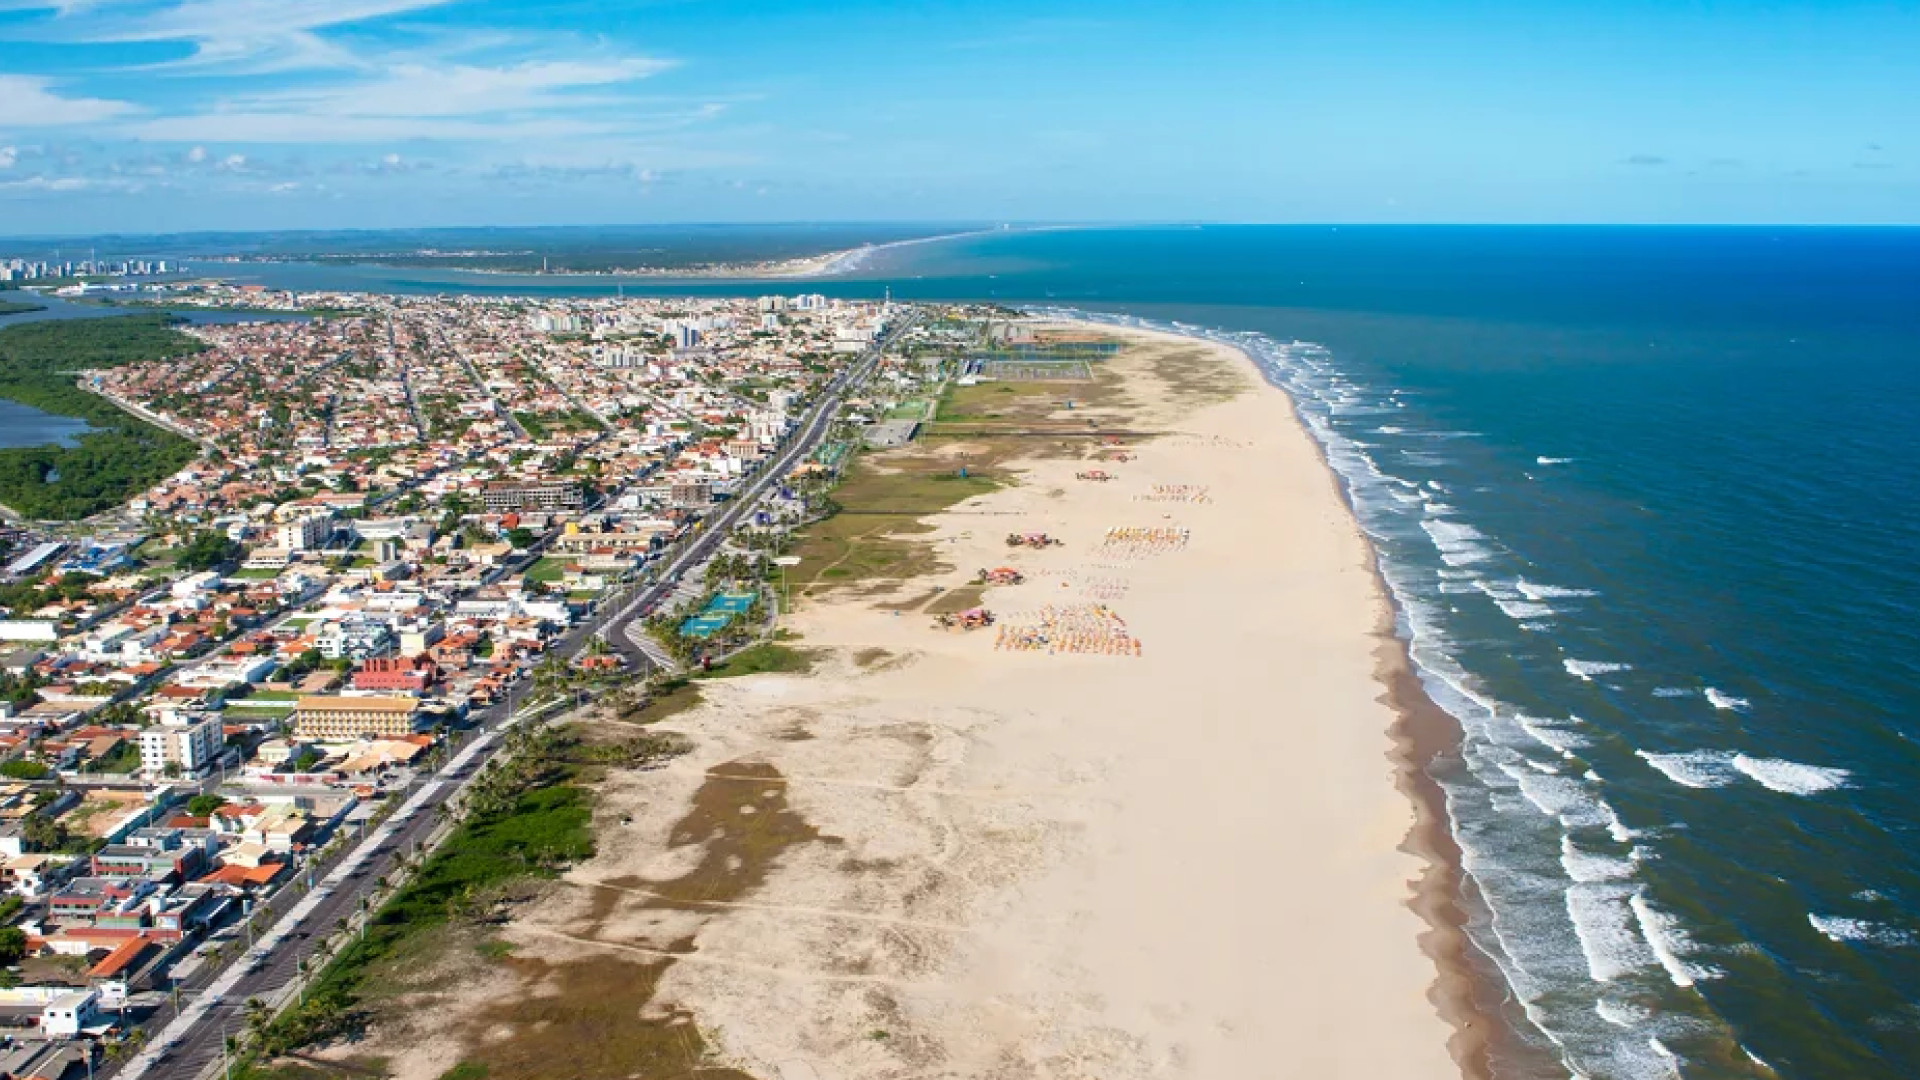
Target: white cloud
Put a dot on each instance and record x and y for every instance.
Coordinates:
(458, 90)
(233, 35)
(9, 156)
(197, 155)
(456, 102)
(47, 183)
(30, 102)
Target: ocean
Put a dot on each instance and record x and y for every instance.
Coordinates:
(1646, 501)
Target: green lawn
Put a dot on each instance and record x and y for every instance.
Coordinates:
(872, 538)
(767, 658)
(549, 569)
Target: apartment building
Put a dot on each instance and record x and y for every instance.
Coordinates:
(191, 743)
(337, 718)
(510, 495)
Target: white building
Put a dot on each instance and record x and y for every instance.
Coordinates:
(64, 1011)
(228, 671)
(186, 740)
(306, 534)
(28, 630)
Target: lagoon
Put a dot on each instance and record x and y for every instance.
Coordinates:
(24, 425)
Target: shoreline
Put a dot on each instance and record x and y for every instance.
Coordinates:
(1422, 733)
(1039, 849)
(826, 264)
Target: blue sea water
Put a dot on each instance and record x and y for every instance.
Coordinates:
(1649, 503)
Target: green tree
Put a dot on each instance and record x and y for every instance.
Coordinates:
(13, 945)
(22, 769)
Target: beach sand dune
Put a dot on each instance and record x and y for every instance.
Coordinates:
(994, 862)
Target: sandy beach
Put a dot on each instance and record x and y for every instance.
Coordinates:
(1181, 850)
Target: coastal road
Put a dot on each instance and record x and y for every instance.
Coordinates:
(620, 629)
(188, 1041)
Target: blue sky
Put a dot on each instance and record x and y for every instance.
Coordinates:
(165, 115)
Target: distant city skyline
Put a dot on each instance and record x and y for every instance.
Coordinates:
(177, 115)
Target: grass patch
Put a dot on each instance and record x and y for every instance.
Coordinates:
(882, 500)
(911, 603)
(766, 658)
(548, 569)
(964, 598)
(467, 1070)
(529, 820)
(597, 1018)
(670, 698)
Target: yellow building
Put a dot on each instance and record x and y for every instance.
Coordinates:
(351, 717)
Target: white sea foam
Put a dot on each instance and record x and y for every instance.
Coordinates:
(1669, 941)
(1585, 670)
(1549, 734)
(1522, 610)
(1553, 460)
(1563, 798)
(1537, 627)
(1587, 867)
(1617, 828)
(1621, 1013)
(1533, 590)
(1673, 691)
(1603, 921)
(1842, 929)
(1672, 1059)
(1458, 544)
(1389, 429)
(1791, 777)
(1727, 701)
(1694, 768)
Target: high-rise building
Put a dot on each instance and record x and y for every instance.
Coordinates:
(189, 741)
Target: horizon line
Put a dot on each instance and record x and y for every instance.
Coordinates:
(977, 223)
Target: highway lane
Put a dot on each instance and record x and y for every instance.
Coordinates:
(188, 1042)
(619, 629)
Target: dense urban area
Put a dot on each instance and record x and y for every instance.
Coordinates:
(289, 616)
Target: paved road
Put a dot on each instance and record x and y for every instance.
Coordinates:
(620, 629)
(213, 1001)
(188, 1043)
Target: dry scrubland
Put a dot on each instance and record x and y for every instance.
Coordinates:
(935, 857)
